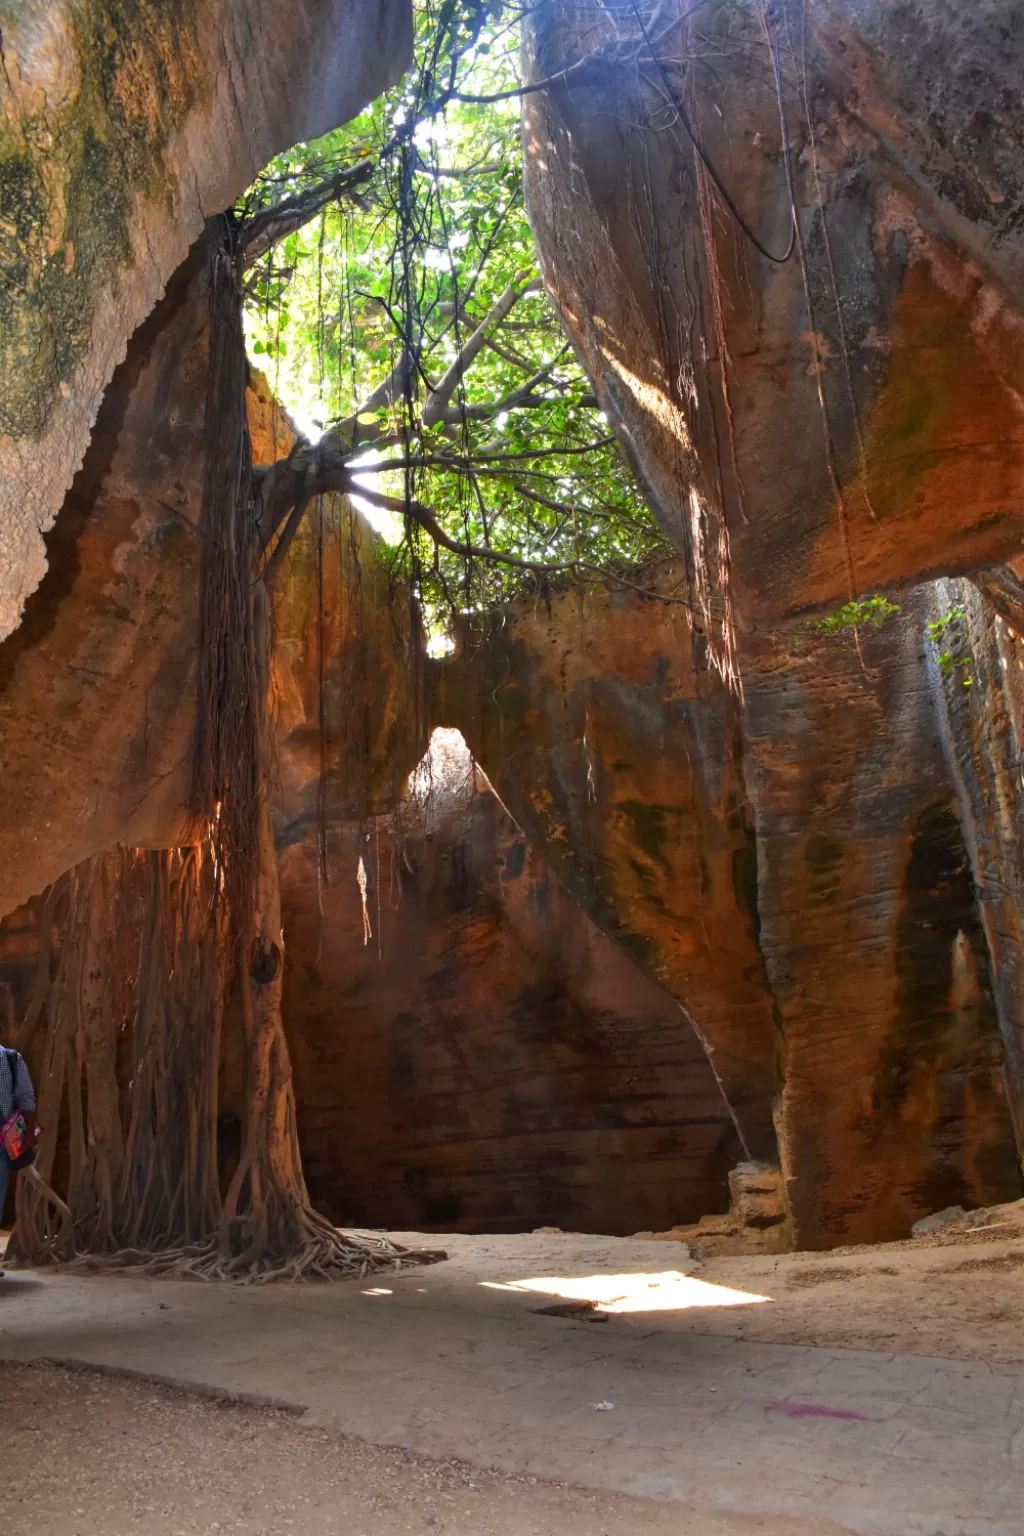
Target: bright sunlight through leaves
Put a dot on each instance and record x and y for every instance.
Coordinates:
(395, 305)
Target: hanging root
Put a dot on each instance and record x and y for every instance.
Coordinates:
(45, 1227)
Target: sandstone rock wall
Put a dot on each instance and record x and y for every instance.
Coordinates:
(347, 704)
(495, 1057)
(892, 1092)
(122, 129)
(788, 869)
(489, 1060)
(809, 430)
(617, 751)
(981, 700)
(97, 683)
(792, 869)
(853, 413)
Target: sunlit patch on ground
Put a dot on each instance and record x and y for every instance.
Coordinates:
(666, 1291)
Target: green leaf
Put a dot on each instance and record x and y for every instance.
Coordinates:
(419, 243)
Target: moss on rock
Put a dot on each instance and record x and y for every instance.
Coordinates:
(95, 92)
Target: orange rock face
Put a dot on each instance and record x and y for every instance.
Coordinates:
(488, 1060)
(617, 752)
(124, 129)
(892, 1068)
(793, 871)
(96, 686)
(776, 922)
(981, 693)
(810, 430)
(852, 413)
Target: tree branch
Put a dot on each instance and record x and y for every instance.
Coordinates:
(437, 401)
(467, 465)
(310, 479)
(426, 519)
(522, 398)
(273, 563)
(350, 433)
(272, 224)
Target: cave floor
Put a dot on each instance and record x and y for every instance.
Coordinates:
(883, 1395)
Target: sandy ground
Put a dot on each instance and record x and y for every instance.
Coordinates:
(956, 1296)
(83, 1454)
(474, 1364)
(959, 1297)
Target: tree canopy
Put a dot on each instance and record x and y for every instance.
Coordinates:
(394, 300)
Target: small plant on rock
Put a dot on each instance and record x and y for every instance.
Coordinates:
(859, 613)
(948, 632)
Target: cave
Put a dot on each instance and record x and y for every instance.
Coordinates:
(511, 719)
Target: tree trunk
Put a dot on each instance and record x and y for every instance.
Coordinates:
(268, 1225)
(174, 931)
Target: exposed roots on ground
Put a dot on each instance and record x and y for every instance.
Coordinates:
(128, 1097)
(327, 1254)
(45, 1228)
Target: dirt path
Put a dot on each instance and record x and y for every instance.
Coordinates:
(489, 1361)
(83, 1454)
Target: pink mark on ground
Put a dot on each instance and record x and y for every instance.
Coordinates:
(814, 1411)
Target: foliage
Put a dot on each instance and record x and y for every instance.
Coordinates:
(945, 632)
(502, 442)
(860, 613)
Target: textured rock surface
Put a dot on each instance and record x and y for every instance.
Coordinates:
(799, 858)
(893, 1099)
(489, 1061)
(501, 1061)
(617, 751)
(757, 1220)
(981, 696)
(789, 867)
(122, 128)
(905, 131)
(810, 430)
(96, 685)
(346, 698)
